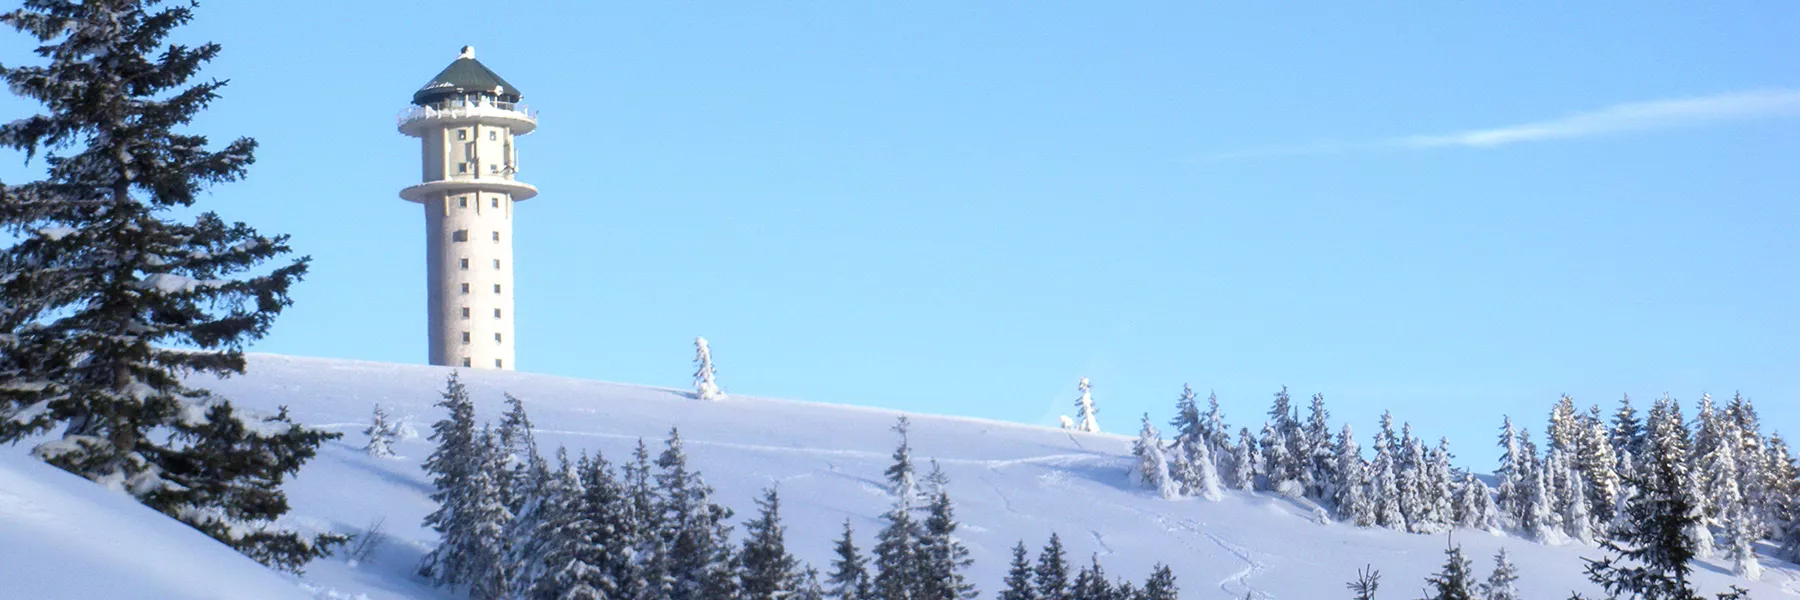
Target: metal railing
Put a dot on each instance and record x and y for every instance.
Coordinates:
(454, 108)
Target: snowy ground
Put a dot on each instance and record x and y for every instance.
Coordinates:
(1009, 481)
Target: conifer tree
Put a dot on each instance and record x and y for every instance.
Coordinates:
(1475, 505)
(1599, 465)
(593, 552)
(1739, 527)
(1090, 582)
(1456, 581)
(452, 466)
(1084, 408)
(1161, 584)
(1651, 557)
(1052, 573)
(540, 533)
(1018, 576)
(381, 434)
(897, 545)
(849, 577)
(1384, 488)
(1540, 521)
(942, 556)
(1367, 581)
(1189, 428)
(1218, 435)
(1627, 436)
(1321, 455)
(525, 469)
(693, 528)
(705, 385)
(477, 533)
(1152, 467)
(769, 572)
(1244, 461)
(1502, 584)
(1352, 487)
(112, 300)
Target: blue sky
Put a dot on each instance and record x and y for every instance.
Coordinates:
(1450, 210)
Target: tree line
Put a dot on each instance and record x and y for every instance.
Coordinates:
(514, 525)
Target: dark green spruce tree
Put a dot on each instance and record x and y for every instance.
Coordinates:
(1456, 581)
(1052, 573)
(768, 571)
(1161, 584)
(107, 298)
(1018, 577)
(849, 577)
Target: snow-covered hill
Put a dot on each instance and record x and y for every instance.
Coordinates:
(1010, 482)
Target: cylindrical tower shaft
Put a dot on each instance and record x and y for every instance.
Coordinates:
(466, 119)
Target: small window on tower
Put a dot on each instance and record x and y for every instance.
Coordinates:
(465, 337)
(493, 168)
(496, 336)
(465, 312)
(460, 235)
(496, 288)
(493, 135)
(462, 167)
(494, 202)
(462, 134)
(496, 236)
(462, 201)
(496, 313)
(496, 263)
(496, 363)
(465, 288)
(465, 361)
(465, 264)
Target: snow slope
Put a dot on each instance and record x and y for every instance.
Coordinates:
(61, 536)
(1009, 481)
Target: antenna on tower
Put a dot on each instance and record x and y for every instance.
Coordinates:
(467, 52)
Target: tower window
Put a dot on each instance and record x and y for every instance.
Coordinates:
(465, 312)
(465, 337)
(462, 201)
(462, 134)
(495, 201)
(496, 363)
(496, 313)
(465, 264)
(462, 167)
(496, 263)
(493, 135)
(496, 288)
(493, 168)
(496, 236)
(496, 336)
(465, 361)
(460, 235)
(465, 288)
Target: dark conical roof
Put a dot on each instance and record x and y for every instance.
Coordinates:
(465, 75)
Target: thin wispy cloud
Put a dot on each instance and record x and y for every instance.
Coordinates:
(1617, 119)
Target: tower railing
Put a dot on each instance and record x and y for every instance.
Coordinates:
(460, 108)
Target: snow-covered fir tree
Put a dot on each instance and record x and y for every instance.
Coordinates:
(849, 576)
(1244, 462)
(1653, 555)
(768, 572)
(1539, 520)
(1152, 468)
(1752, 462)
(1627, 436)
(588, 553)
(1352, 487)
(1503, 582)
(525, 469)
(942, 557)
(1741, 530)
(1189, 433)
(1510, 497)
(1667, 445)
(1018, 584)
(539, 532)
(452, 467)
(897, 561)
(1384, 486)
(117, 287)
(1475, 507)
(1084, 408)
(1051, 576)
(1160, 585)
(1456, 581)
(1217, 433)
(694, 529)
(473, 550)
(1321, 454)
(1415, 491)
(381, 432)
(1598, 462)
(706, 386)
(1090, 582)
(1440, 487)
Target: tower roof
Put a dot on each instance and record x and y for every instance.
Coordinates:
(464, 76)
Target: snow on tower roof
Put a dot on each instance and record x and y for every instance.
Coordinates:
(465, 75)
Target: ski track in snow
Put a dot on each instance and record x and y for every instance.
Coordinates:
(1101, 540)
(1792, 585)
(1252, 568)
